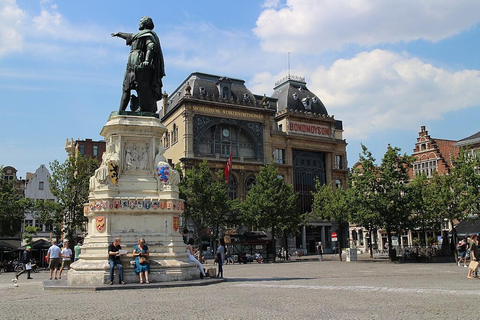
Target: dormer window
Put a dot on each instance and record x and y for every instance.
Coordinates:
(307, 103)
(295, 96)
(202, 91)
(246, 97)
(225, 93)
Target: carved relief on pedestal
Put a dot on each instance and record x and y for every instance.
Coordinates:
(136, 155)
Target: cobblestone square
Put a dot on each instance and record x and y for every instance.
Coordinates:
(304, 289)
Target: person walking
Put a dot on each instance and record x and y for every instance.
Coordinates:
(114, 260)
(320, 250)
(473, 257)
(53, 256)
(220, 257)
(27, 264)
(66, 255)
(462, 252)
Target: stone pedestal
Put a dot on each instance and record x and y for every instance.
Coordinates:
(133, 194)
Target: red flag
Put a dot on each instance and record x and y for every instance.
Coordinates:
(228, 167)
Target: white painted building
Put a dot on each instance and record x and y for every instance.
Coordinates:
(37, 187)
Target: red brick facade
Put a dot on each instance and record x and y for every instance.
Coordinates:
(433, 154)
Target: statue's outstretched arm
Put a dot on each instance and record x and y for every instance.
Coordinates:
(122, 35)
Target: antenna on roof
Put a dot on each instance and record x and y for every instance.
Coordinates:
(288, 64)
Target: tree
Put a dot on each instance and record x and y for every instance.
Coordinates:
(455, 196)
(206, 199)
(28, 234)
(331, 203)
(11, 209)
(362, 195)
(271, 204)
(69, 183)
(422, 204)
(391, 198)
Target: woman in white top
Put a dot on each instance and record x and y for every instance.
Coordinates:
(66, 254)
(191, 251)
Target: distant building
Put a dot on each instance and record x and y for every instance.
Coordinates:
(87, 147)
(433, 154)
(210, 117)
(472, 142)
(38, 188)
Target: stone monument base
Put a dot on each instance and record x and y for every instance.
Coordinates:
(133, 195)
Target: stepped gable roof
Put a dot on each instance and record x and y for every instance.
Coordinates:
(216, 88)
(292, 94)
(473, 139)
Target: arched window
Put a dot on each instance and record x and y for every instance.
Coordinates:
(249, 183)
(225, 138)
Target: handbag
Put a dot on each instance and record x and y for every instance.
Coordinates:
(142, 260)
(473, 265)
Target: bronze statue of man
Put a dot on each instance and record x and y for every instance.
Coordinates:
(145, 68)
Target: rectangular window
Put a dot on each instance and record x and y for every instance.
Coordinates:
(279, 156)
(28, 222)
(82, 149)
(40, 185)
(38, 225)
(95, 151)
(338, 162)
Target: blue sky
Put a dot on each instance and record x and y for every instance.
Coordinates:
(382, 67)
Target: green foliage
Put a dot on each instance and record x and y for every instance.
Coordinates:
(28, 234)
(333, 204)
(363, 189)
(271, 204)
(206, 201)
(69, 183)
(422, 204)
(11, 209)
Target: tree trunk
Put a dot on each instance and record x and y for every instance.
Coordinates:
(273, 244)
(370, 231)
(391, 252)
(286, 245)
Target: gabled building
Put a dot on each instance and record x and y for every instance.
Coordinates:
(210, 117)
(38, 188)
(433, 154)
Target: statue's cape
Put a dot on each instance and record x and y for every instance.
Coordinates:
(157, 62)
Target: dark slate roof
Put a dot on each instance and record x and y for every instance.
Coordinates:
(292, 94)
(474, 138)
(208, 86)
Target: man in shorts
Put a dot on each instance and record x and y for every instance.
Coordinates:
(66, 258)
(54, 258)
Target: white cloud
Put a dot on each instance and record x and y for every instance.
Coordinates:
(313, 26)
(380, 90)
(11, 19)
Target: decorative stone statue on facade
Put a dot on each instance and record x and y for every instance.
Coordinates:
(108, 172)
(145, 68)
(167, 178)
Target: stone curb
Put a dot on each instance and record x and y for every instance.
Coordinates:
(63, 285)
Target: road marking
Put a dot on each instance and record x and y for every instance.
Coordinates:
(359, 288)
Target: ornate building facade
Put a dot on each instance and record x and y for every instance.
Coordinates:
(210, 117)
